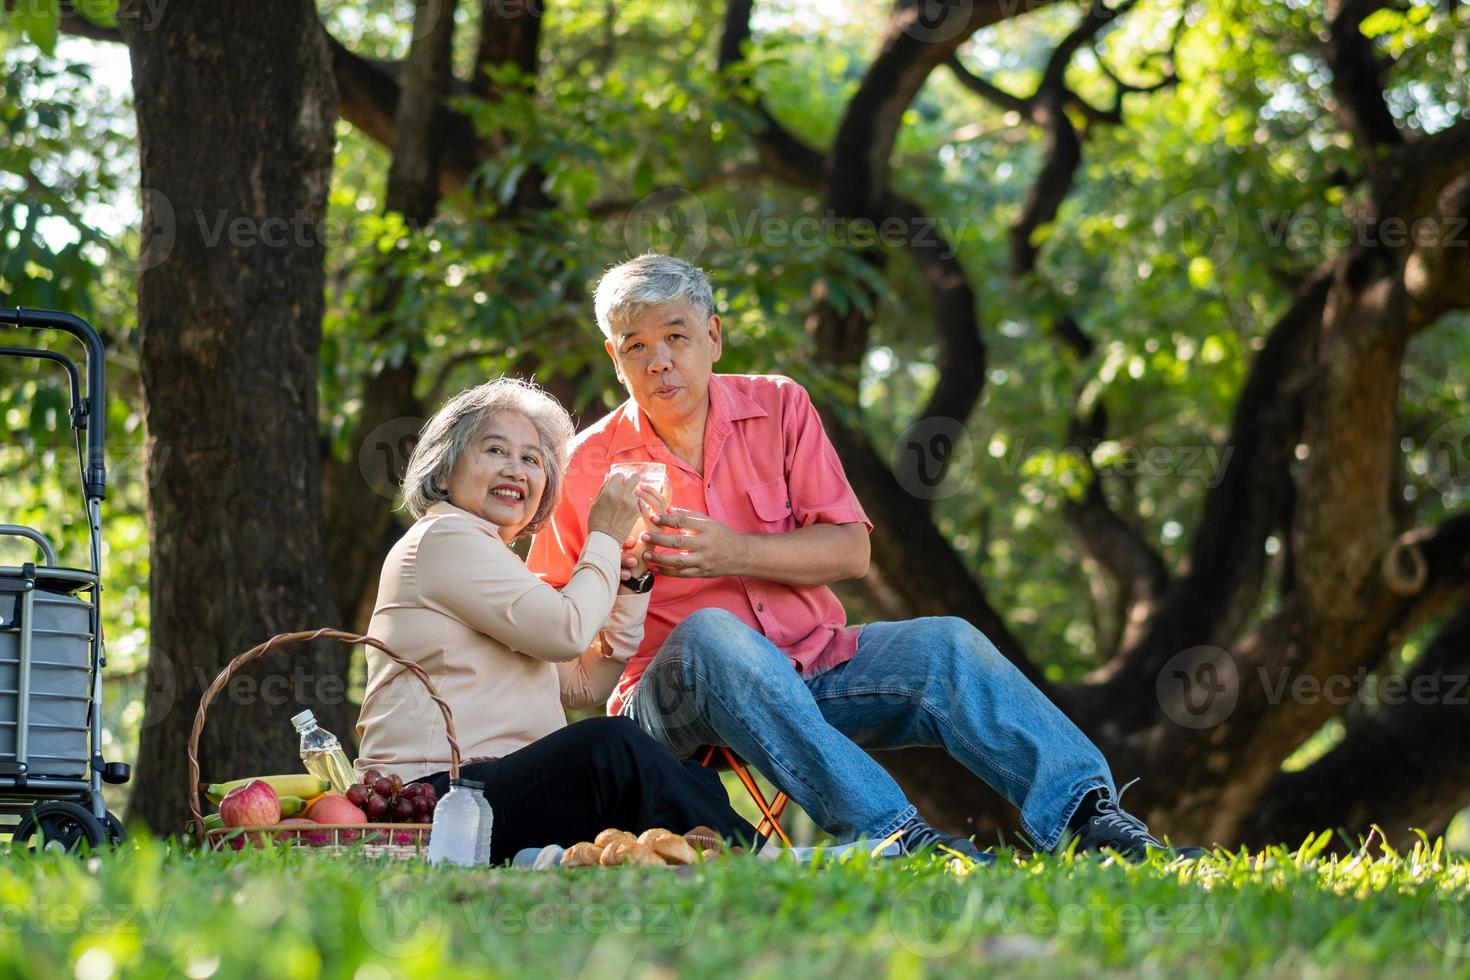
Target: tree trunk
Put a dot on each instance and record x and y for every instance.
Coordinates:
(235, 110)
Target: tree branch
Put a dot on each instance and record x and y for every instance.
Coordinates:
(1403, 766)
(1357, 80)
(1227, 558)
(369, 91)
(1116, 546)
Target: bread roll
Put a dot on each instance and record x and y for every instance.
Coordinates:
(611, 834)
(636, 853)
(581, 855)
(653, 833)
(612, 854)
(674, 849)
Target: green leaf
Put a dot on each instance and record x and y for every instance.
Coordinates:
(39, 20)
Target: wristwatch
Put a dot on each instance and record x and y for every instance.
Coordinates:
(641, 584)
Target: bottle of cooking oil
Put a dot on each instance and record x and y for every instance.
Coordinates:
(322, 754)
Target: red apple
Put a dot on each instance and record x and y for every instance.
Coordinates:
(253, 805)
(333, 808)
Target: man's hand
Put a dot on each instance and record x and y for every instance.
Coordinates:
(633, 565)
(696, 546)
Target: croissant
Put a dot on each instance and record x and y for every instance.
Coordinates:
(581, 855)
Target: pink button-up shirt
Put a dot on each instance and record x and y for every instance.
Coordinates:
(768, 468)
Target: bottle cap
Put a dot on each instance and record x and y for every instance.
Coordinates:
(467, 783)
(303, 719)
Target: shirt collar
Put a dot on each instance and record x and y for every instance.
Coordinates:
(632, 429)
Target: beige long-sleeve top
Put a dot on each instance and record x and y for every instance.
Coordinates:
(507, 651)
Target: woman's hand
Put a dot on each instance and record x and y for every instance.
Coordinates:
(616, 508)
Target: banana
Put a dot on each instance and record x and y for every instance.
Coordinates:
(292, 805)
(302, 784)
(214, 822)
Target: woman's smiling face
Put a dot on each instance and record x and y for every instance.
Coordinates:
(501, 474)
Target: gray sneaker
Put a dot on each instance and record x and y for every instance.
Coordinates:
(1115, 828)
(919, 836)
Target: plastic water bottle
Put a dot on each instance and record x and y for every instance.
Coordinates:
(454, 835)
(322, 754)
(487, 820)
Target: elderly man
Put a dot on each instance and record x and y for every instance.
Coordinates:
(746, 646)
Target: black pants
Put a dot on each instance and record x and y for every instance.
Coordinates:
(595, 774)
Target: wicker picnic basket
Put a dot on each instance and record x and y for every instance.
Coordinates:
(396, 840)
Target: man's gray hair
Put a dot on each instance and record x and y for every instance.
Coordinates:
(446, 436)
(650, 280)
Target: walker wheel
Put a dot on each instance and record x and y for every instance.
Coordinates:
(58, 826)
(113, 828)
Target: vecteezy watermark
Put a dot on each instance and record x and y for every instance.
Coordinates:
(1205, 463)
(148, 13)
(1200, 223)
(402, 918)
(935, 21)
(383, 454)
(675, 221)
(1198, 687)
(1205, 222)
(1447, 454)
(159, 230)
(672, 221)
(932, 458)
(94, 918)
(935, 919)
(1364, 688)
(1296, 230)
(1445, 920)
(156, 685)
(163, 226)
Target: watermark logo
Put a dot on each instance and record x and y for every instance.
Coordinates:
(400, 917)
(932, 458)
(1446, 923)
(934, 21)
(931, 920)
(672, 221)
(1200, 223)
(1448, 452)
(1199, 687)
(383, 454)
(157, 233)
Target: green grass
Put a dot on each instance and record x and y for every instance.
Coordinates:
(151, 910)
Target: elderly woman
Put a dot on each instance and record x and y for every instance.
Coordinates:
(508, 652)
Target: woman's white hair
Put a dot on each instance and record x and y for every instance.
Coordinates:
(446, 436)
(650, 280)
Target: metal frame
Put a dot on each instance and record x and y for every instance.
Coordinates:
(20, 790)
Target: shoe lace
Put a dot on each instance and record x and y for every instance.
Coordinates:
(1120, 821)
(919, 834)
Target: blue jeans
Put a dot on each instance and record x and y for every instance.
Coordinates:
(927, 682)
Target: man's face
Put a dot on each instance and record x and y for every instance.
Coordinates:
(664, 356)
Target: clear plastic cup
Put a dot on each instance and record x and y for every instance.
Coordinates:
(651, 476)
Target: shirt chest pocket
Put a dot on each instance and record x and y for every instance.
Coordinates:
(771, 502)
